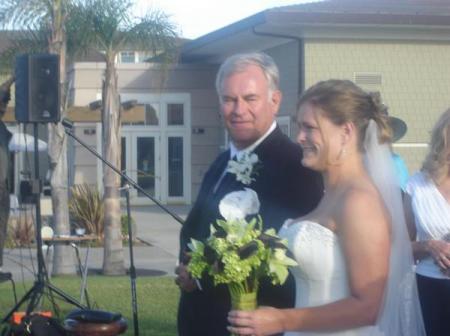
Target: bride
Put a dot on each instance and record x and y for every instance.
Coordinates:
(354, 274)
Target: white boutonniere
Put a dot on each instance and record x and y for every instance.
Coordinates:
(244, 168)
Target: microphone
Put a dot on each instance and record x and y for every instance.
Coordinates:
(126, 186)
(67, 123)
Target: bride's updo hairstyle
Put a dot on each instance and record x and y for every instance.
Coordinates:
(343, 101)
(437, 161)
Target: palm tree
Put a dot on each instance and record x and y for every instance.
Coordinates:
(48, 18)
(106, 26)
(109, 27)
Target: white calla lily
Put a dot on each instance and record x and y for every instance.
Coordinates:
(239, 204)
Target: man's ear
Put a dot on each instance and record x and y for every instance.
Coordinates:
(275, 99)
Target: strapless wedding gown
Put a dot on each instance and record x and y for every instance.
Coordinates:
(321, 274)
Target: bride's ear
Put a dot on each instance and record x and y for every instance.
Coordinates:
(348, 133)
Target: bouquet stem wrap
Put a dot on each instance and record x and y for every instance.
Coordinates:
(243, 296)
(243, 301)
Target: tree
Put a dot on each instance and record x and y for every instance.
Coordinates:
(109, 27)
(48, 17)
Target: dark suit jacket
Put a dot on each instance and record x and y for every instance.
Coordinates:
(285, 190)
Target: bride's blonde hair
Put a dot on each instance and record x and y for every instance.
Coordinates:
(343, 101)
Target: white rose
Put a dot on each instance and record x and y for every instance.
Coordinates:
(239, 204)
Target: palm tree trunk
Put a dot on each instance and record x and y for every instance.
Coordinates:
(63, 261)
(113, 260)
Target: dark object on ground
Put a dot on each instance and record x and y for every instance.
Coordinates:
(85, 322)
(37, 325)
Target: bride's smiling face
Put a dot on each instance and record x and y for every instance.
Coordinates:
(319, 137)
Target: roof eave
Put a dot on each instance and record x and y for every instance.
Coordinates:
(292, 17)
(244, 24)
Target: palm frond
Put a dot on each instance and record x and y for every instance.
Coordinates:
(24, 13)
(22, 42)
(154, 32)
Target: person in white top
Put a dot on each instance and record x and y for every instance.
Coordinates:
(355, 266)
(427, 208)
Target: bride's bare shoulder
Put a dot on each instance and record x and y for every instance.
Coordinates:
(362, 202)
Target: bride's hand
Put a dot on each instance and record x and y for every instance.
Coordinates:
(260, 322)
(440, 252)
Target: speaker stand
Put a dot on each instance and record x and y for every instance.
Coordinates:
(42, 282)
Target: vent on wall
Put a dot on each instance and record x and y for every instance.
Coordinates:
(367, 78)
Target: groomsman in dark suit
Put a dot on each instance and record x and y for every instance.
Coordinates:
(248, 89)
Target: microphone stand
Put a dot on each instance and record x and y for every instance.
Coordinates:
(126, 187)
(68, 126)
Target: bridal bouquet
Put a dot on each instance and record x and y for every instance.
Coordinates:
(238, 253)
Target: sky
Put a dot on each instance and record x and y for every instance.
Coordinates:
(199, 17)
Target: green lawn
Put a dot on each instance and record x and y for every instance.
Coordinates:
(157, 299)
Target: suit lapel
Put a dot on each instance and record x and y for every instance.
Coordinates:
(214, 175)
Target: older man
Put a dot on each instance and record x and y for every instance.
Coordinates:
(249, 95)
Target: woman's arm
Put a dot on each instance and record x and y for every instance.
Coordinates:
(409, 217)
(364, 231)
(419, 249)
(439, 250)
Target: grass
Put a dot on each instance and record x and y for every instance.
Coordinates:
(157, 299)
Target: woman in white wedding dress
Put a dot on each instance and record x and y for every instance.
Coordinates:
(354, 275)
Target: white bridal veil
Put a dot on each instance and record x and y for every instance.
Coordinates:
(401, 314)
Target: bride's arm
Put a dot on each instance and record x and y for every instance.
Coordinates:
(364, 231)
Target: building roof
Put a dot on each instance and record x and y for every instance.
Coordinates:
(398, 7)
(360, 19)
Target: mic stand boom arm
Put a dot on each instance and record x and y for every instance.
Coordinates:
(68, 125)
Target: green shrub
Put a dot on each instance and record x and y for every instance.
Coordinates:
(86, 209)
(124, 224)
(20, 231)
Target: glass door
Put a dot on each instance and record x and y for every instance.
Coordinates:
(175, 167)
(141, 161)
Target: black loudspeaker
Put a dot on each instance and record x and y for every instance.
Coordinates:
(37, 88)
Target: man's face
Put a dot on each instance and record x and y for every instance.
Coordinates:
(247, 106)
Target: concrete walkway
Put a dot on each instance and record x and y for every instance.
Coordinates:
(156, 255)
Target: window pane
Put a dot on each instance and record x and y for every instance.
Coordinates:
(127, 57)
(151, 115)
(146, 164)
(175, 166)
(175, 114)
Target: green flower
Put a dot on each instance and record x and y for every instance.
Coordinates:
(278, 265)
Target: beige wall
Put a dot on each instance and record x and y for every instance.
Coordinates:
(287, 57)
(195, 80)
(415, 80)
(85, 163)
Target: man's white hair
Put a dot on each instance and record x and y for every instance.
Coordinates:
(240, 62)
